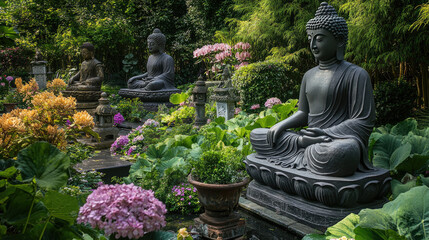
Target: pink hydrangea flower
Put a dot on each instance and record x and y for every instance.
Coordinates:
(9, 78)
(237, 111)
(2, 84)
(123, 210)
(272, 101)
(255, 106)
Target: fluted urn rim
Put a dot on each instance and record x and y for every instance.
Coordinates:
(218, 186)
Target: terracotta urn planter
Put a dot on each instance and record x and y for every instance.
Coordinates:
(219, 201)
(8, 107)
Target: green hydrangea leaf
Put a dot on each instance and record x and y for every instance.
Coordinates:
(61, 206)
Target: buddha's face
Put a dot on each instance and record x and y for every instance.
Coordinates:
(323, 44)
(86, 54)
(153, 46)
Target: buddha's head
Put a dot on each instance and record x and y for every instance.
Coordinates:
(156, 41)
(327, 34)
(87, 51)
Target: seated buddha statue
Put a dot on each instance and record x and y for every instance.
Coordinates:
(160, 66)
(335, 103)
(90, 75)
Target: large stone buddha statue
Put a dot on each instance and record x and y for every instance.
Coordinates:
(328, 161)
(155, 86)
(160, 66)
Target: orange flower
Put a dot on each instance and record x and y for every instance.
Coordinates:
(83, 119)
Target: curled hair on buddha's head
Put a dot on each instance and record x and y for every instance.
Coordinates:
(88, 46)
(158, 37)
(327, 18)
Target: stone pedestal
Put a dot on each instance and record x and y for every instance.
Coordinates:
(232, 230)
(310, 213)
(151, 99)
(86, 100)
(319, 201)
(40, 73)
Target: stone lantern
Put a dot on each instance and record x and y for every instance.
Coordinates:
(225, 97)
(39, 70)
(103, 124)
(200, 95)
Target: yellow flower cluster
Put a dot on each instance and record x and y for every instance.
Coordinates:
(44, 122)
(28, 90)
(83, 119)
(56, 85)
(54, 107)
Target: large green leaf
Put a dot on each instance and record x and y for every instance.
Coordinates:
(404, 127)
(398, 187)
(410, 211)
(45, 163)
(18, 207)
(344, 227)
(376, 219)
(267, 121)
(419, 144)
(177, 98)
(384, 148)
(61, 206)
(414, 164)
(375, 234)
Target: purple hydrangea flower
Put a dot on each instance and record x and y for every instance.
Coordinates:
(123, 210)
(131, 150)
(118, 119)
(9, 78)
(68, 123)
(120, 142)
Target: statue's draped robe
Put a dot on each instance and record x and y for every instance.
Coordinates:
(348, 119)
(159, 68)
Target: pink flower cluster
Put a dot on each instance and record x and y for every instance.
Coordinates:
(151, 123)
(242, 45)
(217, 55)
(242, 56)
(123, 210)
(208, 49)
(272, 101)
(255, 106)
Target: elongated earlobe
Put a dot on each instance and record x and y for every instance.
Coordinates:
(340, 53)
(341, 50)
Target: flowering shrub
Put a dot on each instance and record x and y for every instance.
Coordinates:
(123, 210)
(217, 56)
(118, 119)
(27, 90)
(4, 85)
(183, 198)
(136, 141)
(44, 121)
(181, 115)
(57, 85)
(272, 101)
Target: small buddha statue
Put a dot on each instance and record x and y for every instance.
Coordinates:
(91, 75)
(335, 102)
(160, 66)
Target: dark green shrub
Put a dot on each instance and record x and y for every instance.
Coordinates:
(394, 101)
(219, 167)
(259, 81)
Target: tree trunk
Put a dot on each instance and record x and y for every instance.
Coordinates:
(425, 84)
